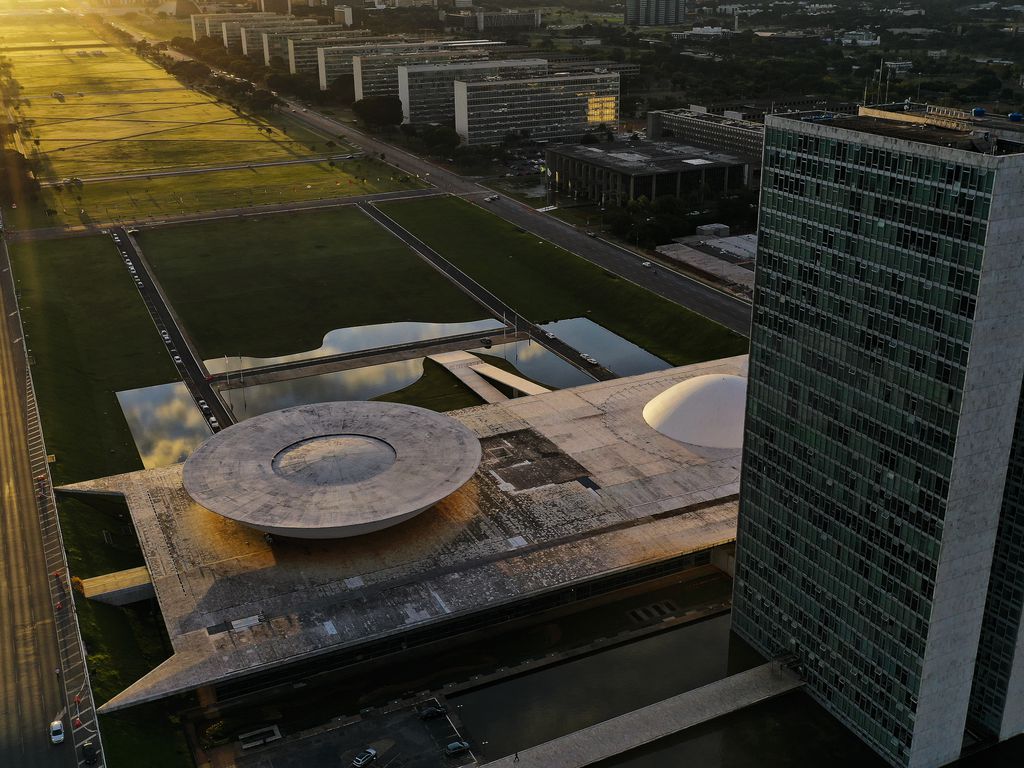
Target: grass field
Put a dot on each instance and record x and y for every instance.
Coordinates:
(101, 110)
(546, 283)
(136, 200)
(153, 28)
(436, 389)
(90, 336)
(276, 285)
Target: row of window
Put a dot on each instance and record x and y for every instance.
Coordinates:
(908, 166)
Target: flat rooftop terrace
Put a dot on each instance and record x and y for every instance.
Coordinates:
(955, 129)
(572, 485)
(646, 157)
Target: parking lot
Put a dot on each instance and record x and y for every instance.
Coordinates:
(402, 740)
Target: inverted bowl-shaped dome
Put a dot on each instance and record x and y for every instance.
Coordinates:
(332, 470)
(705, 410)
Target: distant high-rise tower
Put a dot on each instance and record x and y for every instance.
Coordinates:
(881, 527)
(643, 13)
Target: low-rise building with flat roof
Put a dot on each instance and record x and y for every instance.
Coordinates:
(558, 106)
(617, 172)
(492, 21)
(550, 499)
(427, 90)
(703, 129)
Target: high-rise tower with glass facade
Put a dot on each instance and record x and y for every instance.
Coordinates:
(881, 528)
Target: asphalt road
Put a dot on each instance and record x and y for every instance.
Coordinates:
(190, 367)
(710, 302)
(31, 694)
(492, 303)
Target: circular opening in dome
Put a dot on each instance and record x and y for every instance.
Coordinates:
(333, 460)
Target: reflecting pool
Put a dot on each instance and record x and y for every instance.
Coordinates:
(165, 423)
(538, 363)
(615, 353)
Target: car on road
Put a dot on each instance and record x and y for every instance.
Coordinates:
(203, 405)
(133, 231)
(177, 359)
(486, 342)
(646, 264)
(456, 748)
(56, 731)
(549, 334)
(490, 198)
(591, 234)
(89, 753)
(214, 422)
(165, 335)
(365, 757)
(429, 713)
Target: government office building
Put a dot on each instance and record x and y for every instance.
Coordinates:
(427, 91)
(559, 106)
(881, 525)
(376, 74)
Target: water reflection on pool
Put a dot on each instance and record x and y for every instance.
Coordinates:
(611, 350)
(539, 364)
(342, 340)
(165, 423)
(356, 384)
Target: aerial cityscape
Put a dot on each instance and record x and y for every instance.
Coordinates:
(436, 383)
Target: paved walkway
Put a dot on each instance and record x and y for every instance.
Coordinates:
(460, 365)
(642, 726)
(501, 376)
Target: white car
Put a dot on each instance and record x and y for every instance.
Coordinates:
(56, 731)
(177, 359)
(646, 264)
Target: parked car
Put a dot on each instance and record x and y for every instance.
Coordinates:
(365, 757)
(89, 753)
(429, 713)
(457, 748)
(56, 731)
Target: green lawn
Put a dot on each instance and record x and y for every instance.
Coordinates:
(90, 336)
(437, 389)
(104, 110)
(545, 283)
(277, 284)
(136, 200)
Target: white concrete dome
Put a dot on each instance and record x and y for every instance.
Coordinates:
(706, 410)
(332, 470)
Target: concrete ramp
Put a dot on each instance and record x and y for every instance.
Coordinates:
(460, 365)
(119, 588)
(642, 726)
(495, 373)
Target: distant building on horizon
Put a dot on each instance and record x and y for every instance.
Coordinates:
(880, 544)
(654, 13)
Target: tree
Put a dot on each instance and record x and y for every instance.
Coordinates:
(379, 111)
(262, 100)
(343, 90)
